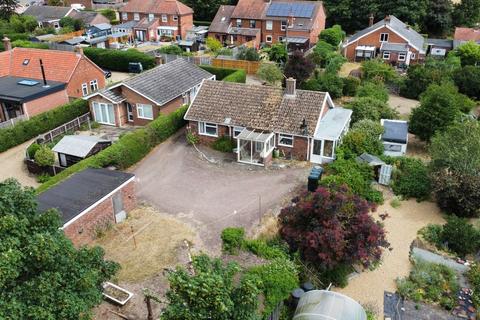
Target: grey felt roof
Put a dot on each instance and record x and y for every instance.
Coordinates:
(415, 39)
(168, 81)
(395, 131)
(77, 146)
(76, 194)
(11, 90)
(126, 25)
(444, 43)
(396, 47)
(45, 13)
(333, 123)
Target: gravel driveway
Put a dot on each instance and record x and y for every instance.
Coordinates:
(12, 165)
(210, 197)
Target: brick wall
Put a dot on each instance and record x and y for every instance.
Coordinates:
(183, 23)
(84, 73)
(46, 103)
(83, 230)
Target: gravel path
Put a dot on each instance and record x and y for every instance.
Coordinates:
(12, 166)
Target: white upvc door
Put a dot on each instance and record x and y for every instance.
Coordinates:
(104, 113)
(316, 151)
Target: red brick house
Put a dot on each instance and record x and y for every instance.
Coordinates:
(463, 35)
(140, 99)
(300, 124)
(158, 19)
(258, 21)
(389, 39)
(80, 75)
(90, 201)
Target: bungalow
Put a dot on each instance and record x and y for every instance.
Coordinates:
(390, 39)
(463, 35)
(49, 16)
(72, 149)
(90, 201)
(395, 137)
(140, 99)
(303, 125)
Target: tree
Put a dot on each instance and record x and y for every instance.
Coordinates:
(467, 13)
(299, 67)
(7, 8)
(249, 54)
(373, 90)
(371, 109)
(333, 35)
(469, 53)
(410, 12)
(108, 13)
(455, 154)
(270, 73)
(332, 227)
(172, 49)
(351, 15)
(71, 24)
(23, 24)
(213, 44)
(364, 137)
(44, 156)
(378, 70)
(438, 20)
(461, 236)
(439, 107)
(43, 275)
(327, 82)
(205, 10)
(322, 53)
(467, 79)
(277, 53)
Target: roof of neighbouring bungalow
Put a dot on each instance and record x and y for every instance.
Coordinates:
(47, 13)
(467, 34)
(77, 145)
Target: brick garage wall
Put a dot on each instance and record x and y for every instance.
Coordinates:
(46, 103)
(171, 106)
(298, 151)
(133, 98)
(85, 72)
(84, 230)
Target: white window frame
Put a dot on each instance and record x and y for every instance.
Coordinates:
(124, 16)
(175, 18)
(403, 55)
(140, 109)
(269, 25)
(136, 16)
(386, 55)
(285, 136)
(164, 18)
(252, 22)
(384, 37)
(283, 25)
(237, 131)
(269, 39)
(93, 85)
(413, 56)
(84, 89)
(151, 17)
(202, 126)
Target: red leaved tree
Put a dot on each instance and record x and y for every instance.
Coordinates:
(332, 227)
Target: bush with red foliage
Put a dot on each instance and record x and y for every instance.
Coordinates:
(332, 227)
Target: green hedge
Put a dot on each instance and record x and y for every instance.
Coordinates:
(117, 60)
(202, 23)
(130, 148)
(26, 130)
(225, 74)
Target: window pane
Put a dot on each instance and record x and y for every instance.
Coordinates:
(111, 114)
(328, 148)
(317, 147)
(210, 129)
(148, 111)
(104, 113)
(286, 140)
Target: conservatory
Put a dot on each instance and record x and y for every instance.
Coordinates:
(328, 305)
(255, 147)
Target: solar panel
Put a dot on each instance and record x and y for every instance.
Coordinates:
(29, 83)
(299, 10)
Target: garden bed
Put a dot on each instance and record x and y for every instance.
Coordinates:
(116, 294)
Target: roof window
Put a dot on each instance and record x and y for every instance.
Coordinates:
(26, 62)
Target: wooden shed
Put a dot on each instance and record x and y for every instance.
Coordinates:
(72, 149)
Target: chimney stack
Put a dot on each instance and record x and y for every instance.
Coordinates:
(291, 87)
(7, 44)
(387, 19)
(370, 20)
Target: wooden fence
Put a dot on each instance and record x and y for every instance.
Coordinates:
(12, 122)
(73, 125)
(251, 67)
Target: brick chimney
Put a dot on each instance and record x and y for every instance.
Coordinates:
(387, 19)
(7, 44)
(290, 87)
(370, 20)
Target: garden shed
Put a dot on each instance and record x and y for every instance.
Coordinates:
(72, 149)
(328, 305)
(395, 137)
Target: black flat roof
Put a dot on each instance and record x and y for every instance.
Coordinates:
(12, 90)
(80, 191)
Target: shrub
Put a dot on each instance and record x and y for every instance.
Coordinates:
(432, 233)
(299, 67)
(378, 70)
(474, 279)
(213, 44)
(262, 249)
(327, 82)
(411, 179)
(431, 283)
(395, 203)
(117, 60)
(370, 108)
(232, 239)
(373, 90)
(277, 53)
(110, 14)
(335, 63)
(26, 130)
(32, 150)
(338, 275)
(44, 177)
(332, 227)
(363, 137)
(239, 76)
(270, 73)
(29, 44)
(467, 79)
(333, 35)
(322, 53)
(225, 74)
(44, 156)
(172, 49)
(350, 86)
(224, 144)
(460, 236)
(249, 54)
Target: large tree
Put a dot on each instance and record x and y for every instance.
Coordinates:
(411, 12)
(438, 20)
(352, 15)
(205, 10)
(42, 275)
(299, 67)
(467, 13)
(469, 53)
(7, 8)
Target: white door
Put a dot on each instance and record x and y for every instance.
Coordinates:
(129, 112)
(104, 113)
(316, 152)
(140, 35)
(63, 159)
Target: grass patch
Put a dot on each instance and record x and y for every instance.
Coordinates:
(395, 202)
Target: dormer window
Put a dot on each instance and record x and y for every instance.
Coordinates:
(26, 62)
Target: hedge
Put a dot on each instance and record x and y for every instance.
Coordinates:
(117, 60)
(129, 149)
(225, 74)
(29, 129)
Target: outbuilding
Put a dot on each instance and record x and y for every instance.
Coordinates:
(90, 201)
(394, 137)
(72, 149)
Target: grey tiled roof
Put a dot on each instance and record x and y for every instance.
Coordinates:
(401, 28)
(221, 22)
(257, 107)
(167, 81)
(44, 13)
(114, 96)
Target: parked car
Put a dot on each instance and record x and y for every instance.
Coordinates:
(107, 73)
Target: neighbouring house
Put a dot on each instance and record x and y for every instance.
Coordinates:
(80, 75)
(90, 201)
(389, 39)
(158, 19)
(300, 124)
(463, 35)
(140, 99)
(72, 149)
(89, 18)
(395, 137)
(257, 21)
(49, 16)
(98, 35)
(439, 48)
(95, 4)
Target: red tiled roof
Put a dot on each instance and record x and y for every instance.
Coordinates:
(250, 9)
(58, 65)
(157, 7)
(467, 34)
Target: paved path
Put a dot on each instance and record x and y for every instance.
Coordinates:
(12, 166)
(438, 259)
